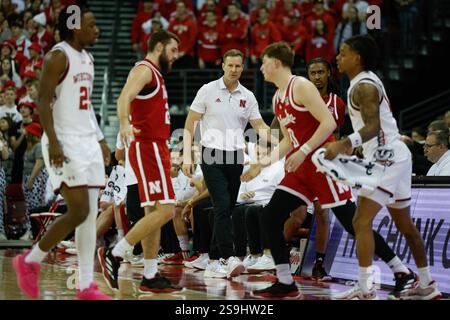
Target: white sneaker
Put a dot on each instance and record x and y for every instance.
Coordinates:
(356, 293)
(71, 251)
(163, 256)
(234, 266)
(66, 244)
(249, 261)
(264, 263)
(430, 292)
(199, 263)
(215, 269)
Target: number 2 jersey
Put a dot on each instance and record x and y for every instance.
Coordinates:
(72, 107)
(150, 109)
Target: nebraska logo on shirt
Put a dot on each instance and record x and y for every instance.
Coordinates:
(242, 103)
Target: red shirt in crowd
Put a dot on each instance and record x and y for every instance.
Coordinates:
(186, 30)
(263, 34)
(234, 35)
(167, 7)
(208, 42)
(319, 46)
(45, 40)
(325, 17)
(296, 35)
(137, 34)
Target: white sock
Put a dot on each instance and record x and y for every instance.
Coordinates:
(120, 234)
(85, 235)
(424, 277)
(284, 273)
(365, 278)
(35, 255)
(121, 247)
(184, 242)
(150, 268)
(396, 266)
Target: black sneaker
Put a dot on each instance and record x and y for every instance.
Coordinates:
(158, 284)
(110, 267)
(403, 282)
(278, 290)
(319, 273)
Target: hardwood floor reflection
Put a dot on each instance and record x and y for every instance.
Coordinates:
(59, 276)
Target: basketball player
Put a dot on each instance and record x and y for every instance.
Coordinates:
(376, 130)
(72, 147)
(143, 113)
(306, 124)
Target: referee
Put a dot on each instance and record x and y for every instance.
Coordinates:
(224, 107)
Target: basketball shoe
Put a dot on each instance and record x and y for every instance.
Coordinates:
(27, 275)
(356, 293)
(158, 284)
(92, 293)
(110, 267)
(278, 290)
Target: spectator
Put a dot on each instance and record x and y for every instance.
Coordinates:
(349, 27)
(4, 154)
(22, 43)
(234, 34)
(150, 27)
(35, 59)
(183, 24)
(30, 27)
(209, 5)
(10, 108)
(8, 73)
(264, 32)
(43, 37)
(8, 8)
(168, 7)
(360, 5)
(319, 14)
(436, 150)
(52, 11)
(438, 125)
(26, 109)
(7, 49)
(254, 12)
(137, 34)
(295, 33)
(208, 40)
(34, 174)
(29, 93)
(5, 32)
(289, 7)
(36, 7)
(319, 44)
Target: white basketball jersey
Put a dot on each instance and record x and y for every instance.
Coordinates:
(72, 112)
(386, 147)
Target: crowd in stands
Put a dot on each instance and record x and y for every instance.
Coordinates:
(314, 28)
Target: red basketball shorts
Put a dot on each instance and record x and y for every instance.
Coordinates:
(309, 185)
(151, 164)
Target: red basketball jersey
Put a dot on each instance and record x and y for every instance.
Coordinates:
(299, 122)
(337, 108)
(150, 109)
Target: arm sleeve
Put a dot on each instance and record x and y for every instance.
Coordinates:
(199, 103)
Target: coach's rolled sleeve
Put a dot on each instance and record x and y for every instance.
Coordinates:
(199, 103)
(254, 109)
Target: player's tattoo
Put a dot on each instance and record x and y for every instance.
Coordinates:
(366, 97)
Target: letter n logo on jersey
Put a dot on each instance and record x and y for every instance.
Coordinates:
(155, 187)
(242, 103)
